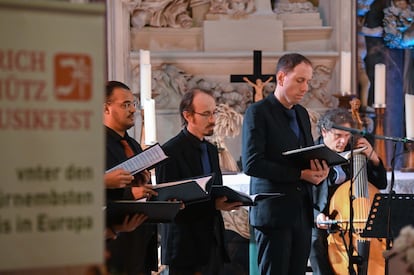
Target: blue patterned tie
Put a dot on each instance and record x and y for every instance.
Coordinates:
(293, 122)
(205, 161)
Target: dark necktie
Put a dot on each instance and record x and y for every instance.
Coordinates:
(127, 149)
(205, 160)
(129, 153)
(293, 122)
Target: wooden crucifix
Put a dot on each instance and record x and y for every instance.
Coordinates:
(256, 80)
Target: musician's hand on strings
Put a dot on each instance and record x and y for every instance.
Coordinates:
(318, 171)
(369, 152)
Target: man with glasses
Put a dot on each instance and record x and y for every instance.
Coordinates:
(338, 141)
(134, 252)
(194, 243)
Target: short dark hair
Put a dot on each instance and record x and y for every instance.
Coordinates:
(338, 116)
(289, 61)
(186, 104)
(112, 85)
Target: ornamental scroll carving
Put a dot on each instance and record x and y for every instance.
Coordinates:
(295, 6)
(178, 13)
(169, 83)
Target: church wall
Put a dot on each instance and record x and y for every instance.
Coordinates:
(185, 51)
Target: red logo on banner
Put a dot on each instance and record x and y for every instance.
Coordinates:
(73, 77)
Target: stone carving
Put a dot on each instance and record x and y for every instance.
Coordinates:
(179, 13)
(164, 13)
(318, 95)
(314, 118)
(398, 25)
(295, 6)
(228, 125)
(231, 6)
(169, 83)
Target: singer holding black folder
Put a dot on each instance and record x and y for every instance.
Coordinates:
(194, 243)
(332, 128)
(276, 124)
(134, 252)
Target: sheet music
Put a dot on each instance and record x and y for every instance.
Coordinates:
(201, 181)
(148, 158)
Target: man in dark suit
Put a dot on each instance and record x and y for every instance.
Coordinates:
(133, 252)
(283, 225)
(194, 243)
(338, 141)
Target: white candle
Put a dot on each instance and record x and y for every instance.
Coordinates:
(379, 87)
(345, 73)
(145, 87)
(144, 57)
(149, 122)
(409, 115)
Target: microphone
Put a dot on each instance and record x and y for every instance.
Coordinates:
(409, 139)
(331, 217)
(329, 222)
(351, 130)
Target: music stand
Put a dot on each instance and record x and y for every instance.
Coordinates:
(391, 213)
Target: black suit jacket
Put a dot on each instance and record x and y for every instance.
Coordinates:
(266, 135)
(132, 252)
(115, 155)
(188, 241)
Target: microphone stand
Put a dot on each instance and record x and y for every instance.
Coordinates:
(351, 258)
(391, 192)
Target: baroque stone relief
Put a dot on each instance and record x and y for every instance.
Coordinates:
(318, 95)
(164, 13)
(295, 6)
(180, 13)
(169, 83)
(235, 8)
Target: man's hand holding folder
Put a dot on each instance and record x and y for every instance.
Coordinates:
(236, 196)
(188, 191)
(301, 157)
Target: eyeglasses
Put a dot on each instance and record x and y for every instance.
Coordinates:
(127, 104)
(207, 114)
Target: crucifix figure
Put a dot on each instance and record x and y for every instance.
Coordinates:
(256, 80)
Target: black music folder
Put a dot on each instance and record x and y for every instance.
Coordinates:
(147, 159)
(237, 196)
(157, 211)
(188, 190)
(301, 157)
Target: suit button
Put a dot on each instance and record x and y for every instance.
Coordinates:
(299, 188)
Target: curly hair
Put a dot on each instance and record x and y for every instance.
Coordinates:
(338, 116)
